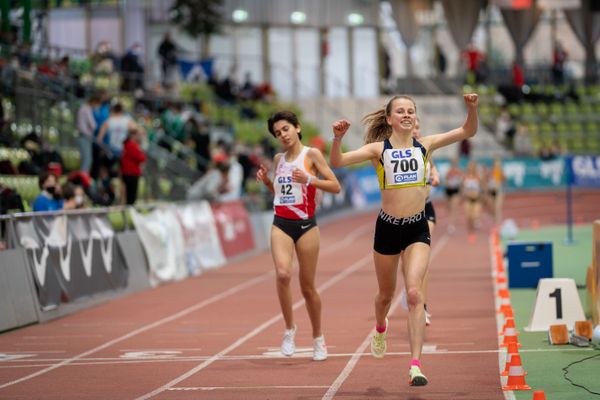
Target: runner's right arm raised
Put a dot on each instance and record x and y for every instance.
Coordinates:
(364, 153)
(262, 174)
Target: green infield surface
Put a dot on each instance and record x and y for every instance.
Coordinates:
(544, 363)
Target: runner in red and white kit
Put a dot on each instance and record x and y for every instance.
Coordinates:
(294, 226)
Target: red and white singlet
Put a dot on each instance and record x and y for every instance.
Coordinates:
(293, 200)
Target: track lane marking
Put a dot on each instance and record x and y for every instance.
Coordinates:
(230, 292)
(330, 282)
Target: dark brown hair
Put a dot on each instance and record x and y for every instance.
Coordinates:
(286, 116)
(377, 127)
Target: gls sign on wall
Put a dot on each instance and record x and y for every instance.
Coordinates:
(585, 170)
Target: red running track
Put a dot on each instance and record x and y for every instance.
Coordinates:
(216, 336)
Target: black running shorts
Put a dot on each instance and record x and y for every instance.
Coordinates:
(393, 235)
(294, 228)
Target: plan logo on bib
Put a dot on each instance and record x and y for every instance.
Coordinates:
(402, 178)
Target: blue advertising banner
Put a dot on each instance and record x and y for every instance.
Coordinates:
(520, 174)
(363, 187)
(584, 170)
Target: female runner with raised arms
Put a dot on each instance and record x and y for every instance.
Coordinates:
(400, 162)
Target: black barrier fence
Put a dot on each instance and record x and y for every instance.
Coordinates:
(57, 262)
(70, 255)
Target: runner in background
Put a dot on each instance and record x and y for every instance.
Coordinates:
(294, 185)
(453, 179)
(494, 194)
(472, 193)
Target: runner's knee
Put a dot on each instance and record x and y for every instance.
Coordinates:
(414, 297)
(284, 276)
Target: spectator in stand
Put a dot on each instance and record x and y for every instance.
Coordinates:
(440, 60)
(248, 90)
(559, 58)
(464, 149)
(104, 58)
(51, 197)
(10, 201)
(199, 134)
(131, 164)
(214, 183)
(116, 128)
(483, 69)
(101, 191)
(86, 125)
(132, 69)
(167, 51)
(518, 77)
(101, 114)
(505, 127)
(471, 56)
(73, 195)
(235, 178)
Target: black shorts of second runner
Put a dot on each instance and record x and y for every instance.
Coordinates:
(451, 192)
(294, 228)
(429, 212)
(393, 235)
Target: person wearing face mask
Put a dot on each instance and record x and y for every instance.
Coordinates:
(51, 197)
(73, 196)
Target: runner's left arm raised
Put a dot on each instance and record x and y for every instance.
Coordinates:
(467, 130)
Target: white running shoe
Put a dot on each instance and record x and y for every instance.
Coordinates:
(404, 299)
(319, 349)
(378, 345)
(288, 346)
(427, 318)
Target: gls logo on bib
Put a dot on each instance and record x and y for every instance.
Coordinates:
(399, 154)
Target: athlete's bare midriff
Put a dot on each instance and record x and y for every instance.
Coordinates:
(404, 202)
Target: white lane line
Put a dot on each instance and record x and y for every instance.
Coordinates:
(114, 361)
(332, 281)
(232, 291)
(211, 388)
(335, 386)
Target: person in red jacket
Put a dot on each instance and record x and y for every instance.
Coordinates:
(131, 163)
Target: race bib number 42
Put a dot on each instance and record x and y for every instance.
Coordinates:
(287, 193)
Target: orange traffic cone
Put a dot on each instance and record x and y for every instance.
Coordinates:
(516, 375)
(504, 306)
(535, 224)
(511, 351)
(503, 293)
(501, 280)
(539, 395)
(507, 311)
(508, 324)
(510, 336)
